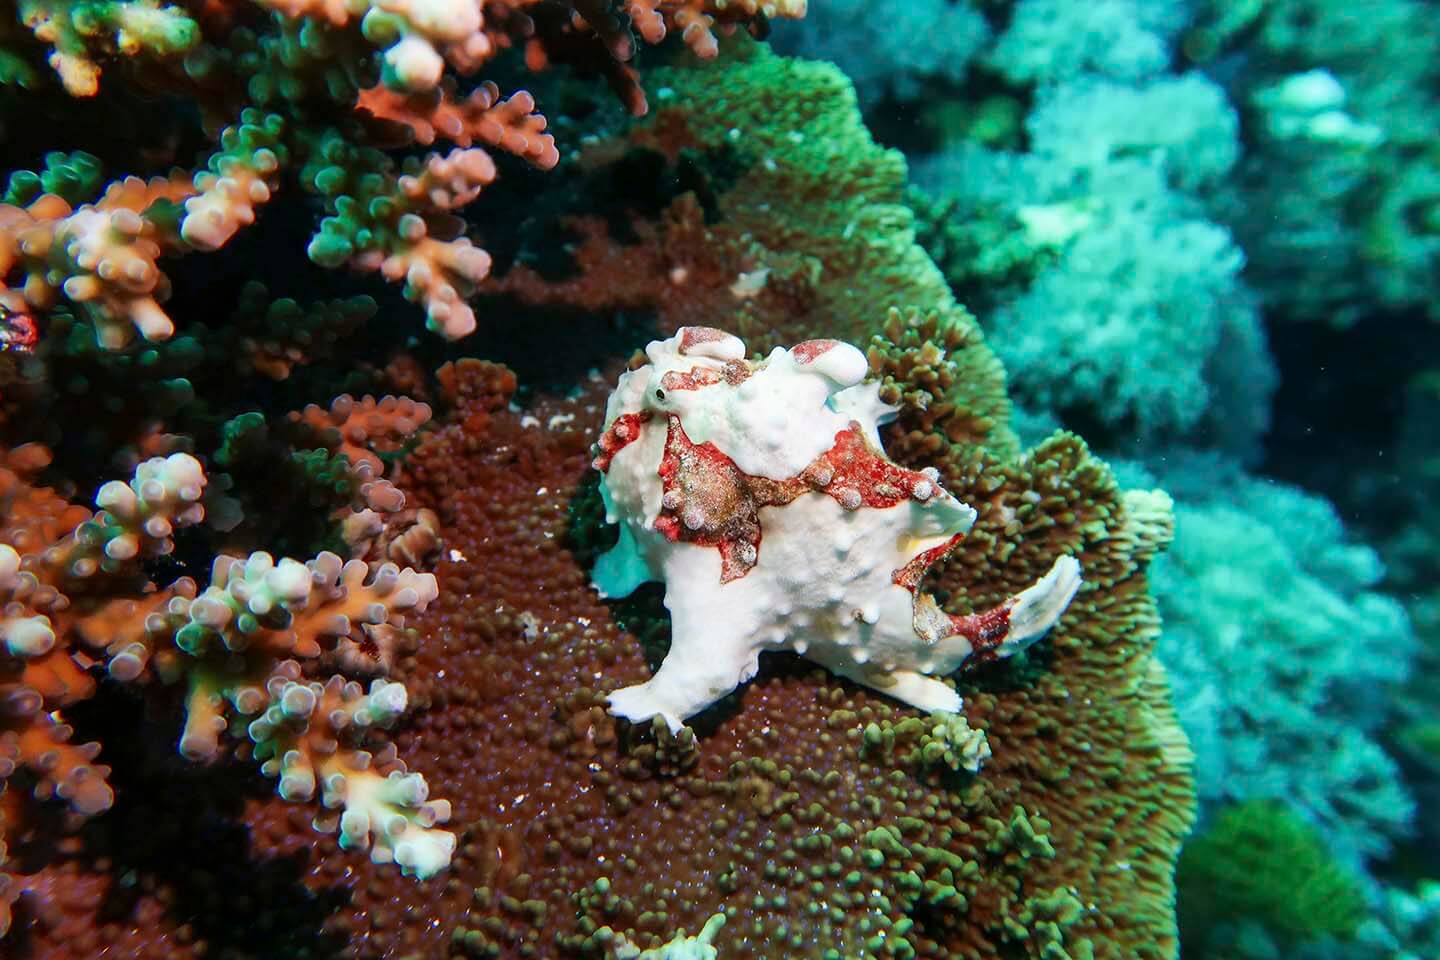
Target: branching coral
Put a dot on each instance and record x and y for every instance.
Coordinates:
(289, 82)
(360, 430)
(76, 593)
(82, 34)
(100, 256)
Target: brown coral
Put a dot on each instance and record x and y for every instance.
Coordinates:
(365, 428)
(816, 836)
(511, 124)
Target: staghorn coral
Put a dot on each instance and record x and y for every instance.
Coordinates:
(80, 596)
(338, 462)
(424, 36)
(362, 430)
(482, 115)
(83, 34)
(287, 84)
(111, 409)
(101, 256)
(278, 335)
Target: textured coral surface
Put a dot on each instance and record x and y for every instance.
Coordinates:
(819, 819)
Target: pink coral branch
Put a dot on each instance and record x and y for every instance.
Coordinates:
(512, 125)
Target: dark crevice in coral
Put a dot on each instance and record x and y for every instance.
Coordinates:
(176, 830)
(550, 349)
(536, 206)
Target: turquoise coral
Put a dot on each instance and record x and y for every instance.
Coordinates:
(1268, 569)
(1081, 237)
(1336, 203)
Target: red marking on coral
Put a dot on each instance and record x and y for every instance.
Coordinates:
(623, 432)
(18, 331)
(709, 501)
(807, 351)
(692, 379)
(695, 336)
(861, 476)
(985, 631)
(909, 576)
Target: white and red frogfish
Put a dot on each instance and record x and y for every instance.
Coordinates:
(760, 495)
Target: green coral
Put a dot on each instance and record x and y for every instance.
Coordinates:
(75, 177)
(15, 71)
(109, 400)
(921, 358)
(1336, 201)
(81, 33)
(1021, 835)
(276, 335)
(981, 246)
(680, 947)
(1043, 920)
(352, 180)
(943, 741)
(1259, 860)
(260, 462)
(251, 152)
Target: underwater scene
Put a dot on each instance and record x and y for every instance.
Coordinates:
(719, 479)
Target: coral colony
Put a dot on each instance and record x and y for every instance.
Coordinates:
(235, 648)
(103, 253)
(314, 639)
(759, 494)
